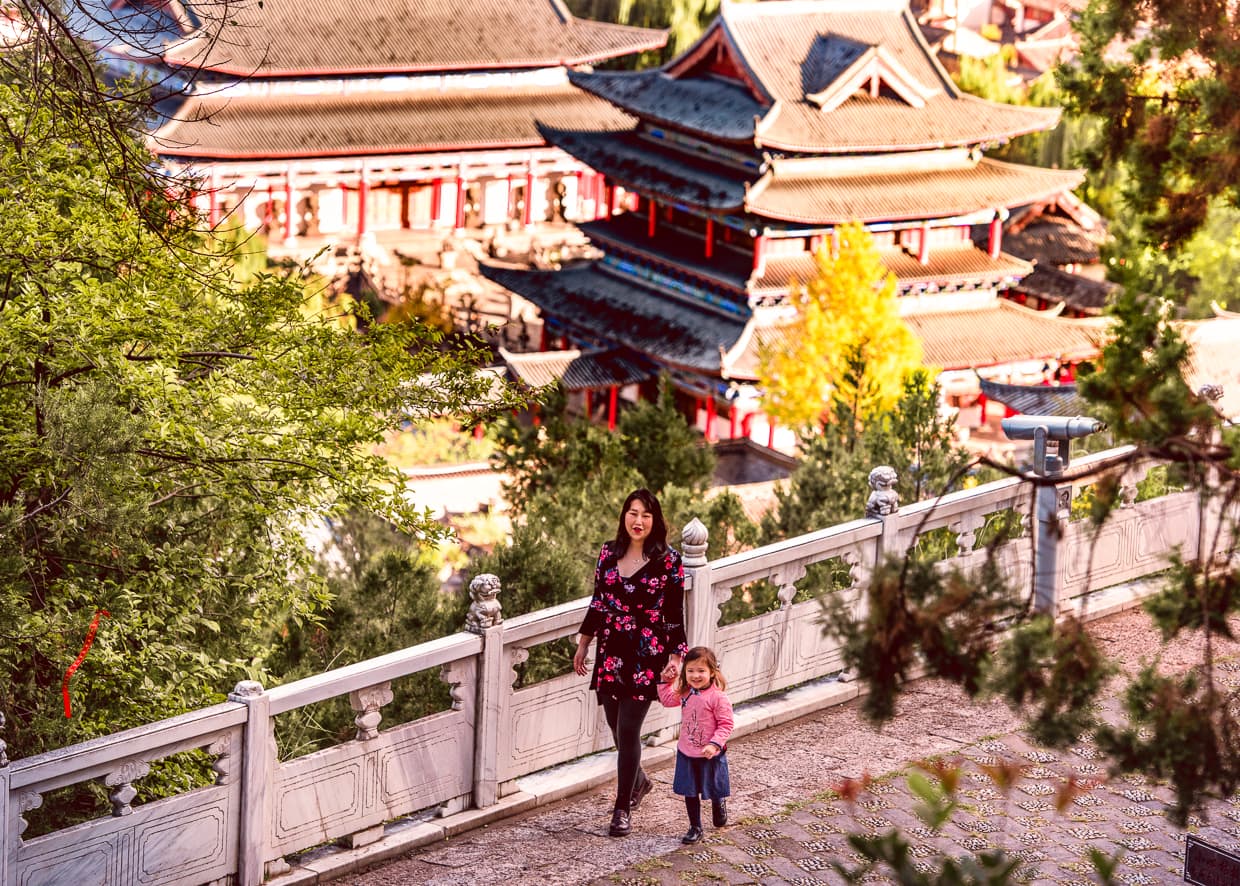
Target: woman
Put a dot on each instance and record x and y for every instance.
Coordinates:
(637, 614)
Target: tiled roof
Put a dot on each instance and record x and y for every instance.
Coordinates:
(1003, 332)
(641, 166)
(962, 266)
(780, 40)
(620, 311)
(277, 38)
(796, 52)
(1053, 240)
(376, 122)
(810, 197)
(723, 109)
(576, 370)
(1037, 399)
(1076, 292)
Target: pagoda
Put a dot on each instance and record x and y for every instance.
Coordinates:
(311, 117)
(785, 120)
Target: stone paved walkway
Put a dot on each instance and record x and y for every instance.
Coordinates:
(786, 828)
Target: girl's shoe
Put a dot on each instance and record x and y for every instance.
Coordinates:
(719, 812)
(620, 823)
(693, 835)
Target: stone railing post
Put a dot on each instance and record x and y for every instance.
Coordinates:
(486, 618)
(8, 822)
(701, 613)
(883, 504)
(256, 782)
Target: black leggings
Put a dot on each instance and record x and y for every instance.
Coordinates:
(624, 718)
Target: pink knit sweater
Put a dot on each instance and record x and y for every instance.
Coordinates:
(705, 718)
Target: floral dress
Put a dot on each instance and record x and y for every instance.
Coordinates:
(638, 620)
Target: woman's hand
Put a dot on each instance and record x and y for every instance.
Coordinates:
(579, 657)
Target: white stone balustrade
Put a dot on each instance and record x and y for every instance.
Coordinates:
(261, 809)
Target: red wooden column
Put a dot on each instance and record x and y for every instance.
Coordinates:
(213, 206)
(436, 201)
(362, 186)
(479, 431)
(601, 204)
(710, 419)
(733, 421)
(995, 241)
(460, 200)
(527, 216)
(612, 393)
(269, 215)
(710, 237)
(289, 230)
(613, 201)
(815, 243)
(344, 204)
(588, 403)
(653, 212)
(759, 254)
(542, 339)
(770, 432)
(923, 244)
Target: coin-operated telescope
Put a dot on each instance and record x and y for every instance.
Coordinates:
(1042, 429)
(1061, 430)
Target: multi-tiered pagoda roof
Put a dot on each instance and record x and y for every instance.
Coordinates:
(312, 78)
(785, 120)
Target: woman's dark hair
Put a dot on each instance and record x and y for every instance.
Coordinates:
(656, 541)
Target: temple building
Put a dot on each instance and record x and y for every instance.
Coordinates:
(785, 120)
(311, 118)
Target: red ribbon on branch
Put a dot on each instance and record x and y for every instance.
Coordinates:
(90, 638)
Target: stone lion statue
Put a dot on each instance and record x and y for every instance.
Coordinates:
(484, 608)
(883, 499)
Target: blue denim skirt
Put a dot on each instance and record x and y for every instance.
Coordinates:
(699, 777)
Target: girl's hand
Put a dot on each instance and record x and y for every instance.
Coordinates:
(579, 657)
(710, 751)
(670, 673)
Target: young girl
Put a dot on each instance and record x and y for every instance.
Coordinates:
(705, 724)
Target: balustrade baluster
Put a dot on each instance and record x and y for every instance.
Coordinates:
(121, 782)
(367, 702)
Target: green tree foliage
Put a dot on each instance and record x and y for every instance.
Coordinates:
(166, 432)
(1168, 99)
(684, 21)
(568, 480)
(385, 595)
(829, 485)
(847, 346)
(1180, 727)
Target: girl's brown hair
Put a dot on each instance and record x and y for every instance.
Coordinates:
(706, 655)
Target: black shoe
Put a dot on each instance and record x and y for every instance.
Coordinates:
(693, 835)
(640, 792)
(719, 812)
(620, 824)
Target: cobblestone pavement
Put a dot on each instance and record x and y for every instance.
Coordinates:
(787, 829)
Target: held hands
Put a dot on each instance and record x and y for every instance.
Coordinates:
(669, 673)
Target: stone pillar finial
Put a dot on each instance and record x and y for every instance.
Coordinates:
(884, 500)
(694, 541)
(1210, 392)
(484, 608)
(4, 758)
(246, 689)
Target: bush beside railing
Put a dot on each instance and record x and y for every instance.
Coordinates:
(261, 809)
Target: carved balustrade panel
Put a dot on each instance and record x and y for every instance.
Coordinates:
(776, 650)
(1135, 542)
(356, 785)
(189, 838)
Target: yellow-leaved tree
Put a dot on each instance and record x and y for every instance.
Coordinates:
(846, 346)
